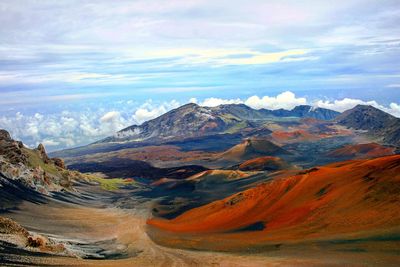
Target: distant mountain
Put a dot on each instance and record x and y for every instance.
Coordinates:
(305, 111)
(378, 123)
(242, 111)
(186, 121)
(192, 120)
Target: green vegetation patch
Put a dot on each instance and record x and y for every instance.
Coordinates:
(237, 127)
(229, 118)
(110, 183)
(34, 161)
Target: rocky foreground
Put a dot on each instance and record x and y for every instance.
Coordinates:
(33, 167)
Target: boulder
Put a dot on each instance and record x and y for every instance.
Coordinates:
(58, 162)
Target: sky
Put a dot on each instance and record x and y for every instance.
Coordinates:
(73, 72)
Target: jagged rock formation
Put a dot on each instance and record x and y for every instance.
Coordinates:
(42, 153)
(33, 168)
(10, 149)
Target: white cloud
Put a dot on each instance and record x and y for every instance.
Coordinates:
(149, 110)
(32, 129)
(344, 104)
(50, 142)
(68, 142)
(69, 123)
(18, 116)
(143, 114)
(110, 116)
(88, 129)
(285, 100)
(213, 102)
(38, 116)
(394, 109)
(193, 100)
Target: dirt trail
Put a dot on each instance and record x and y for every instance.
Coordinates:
(124, 232)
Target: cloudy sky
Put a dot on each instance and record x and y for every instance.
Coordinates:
(72, 72)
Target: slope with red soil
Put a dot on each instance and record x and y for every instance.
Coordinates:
(347, 199)
(219, 174)
(369, 150)
(252, 148)
(295, 135)
(267, 163)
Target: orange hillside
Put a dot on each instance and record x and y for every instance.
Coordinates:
(369, 150)
(348, 197)
(267, 163)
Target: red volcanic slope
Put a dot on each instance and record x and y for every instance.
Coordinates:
(296, 135)
(343, 198)
(267, 163)
(370, 150)
(252, 148)
(219, 174)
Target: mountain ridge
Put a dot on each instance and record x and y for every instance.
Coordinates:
(192, 120)
(232, 122)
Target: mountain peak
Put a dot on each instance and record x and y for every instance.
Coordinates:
(362, 107)
(365, 106)
(188, 105)
(366, 112)
(378, 123)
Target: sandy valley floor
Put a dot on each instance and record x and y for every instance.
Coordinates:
(117, 237)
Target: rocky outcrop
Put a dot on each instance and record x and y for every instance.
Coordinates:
(42, 153)
(8, 226)
(10, 149)
(32, 167)
(58, 162)
(4, 135)
(13, 233)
